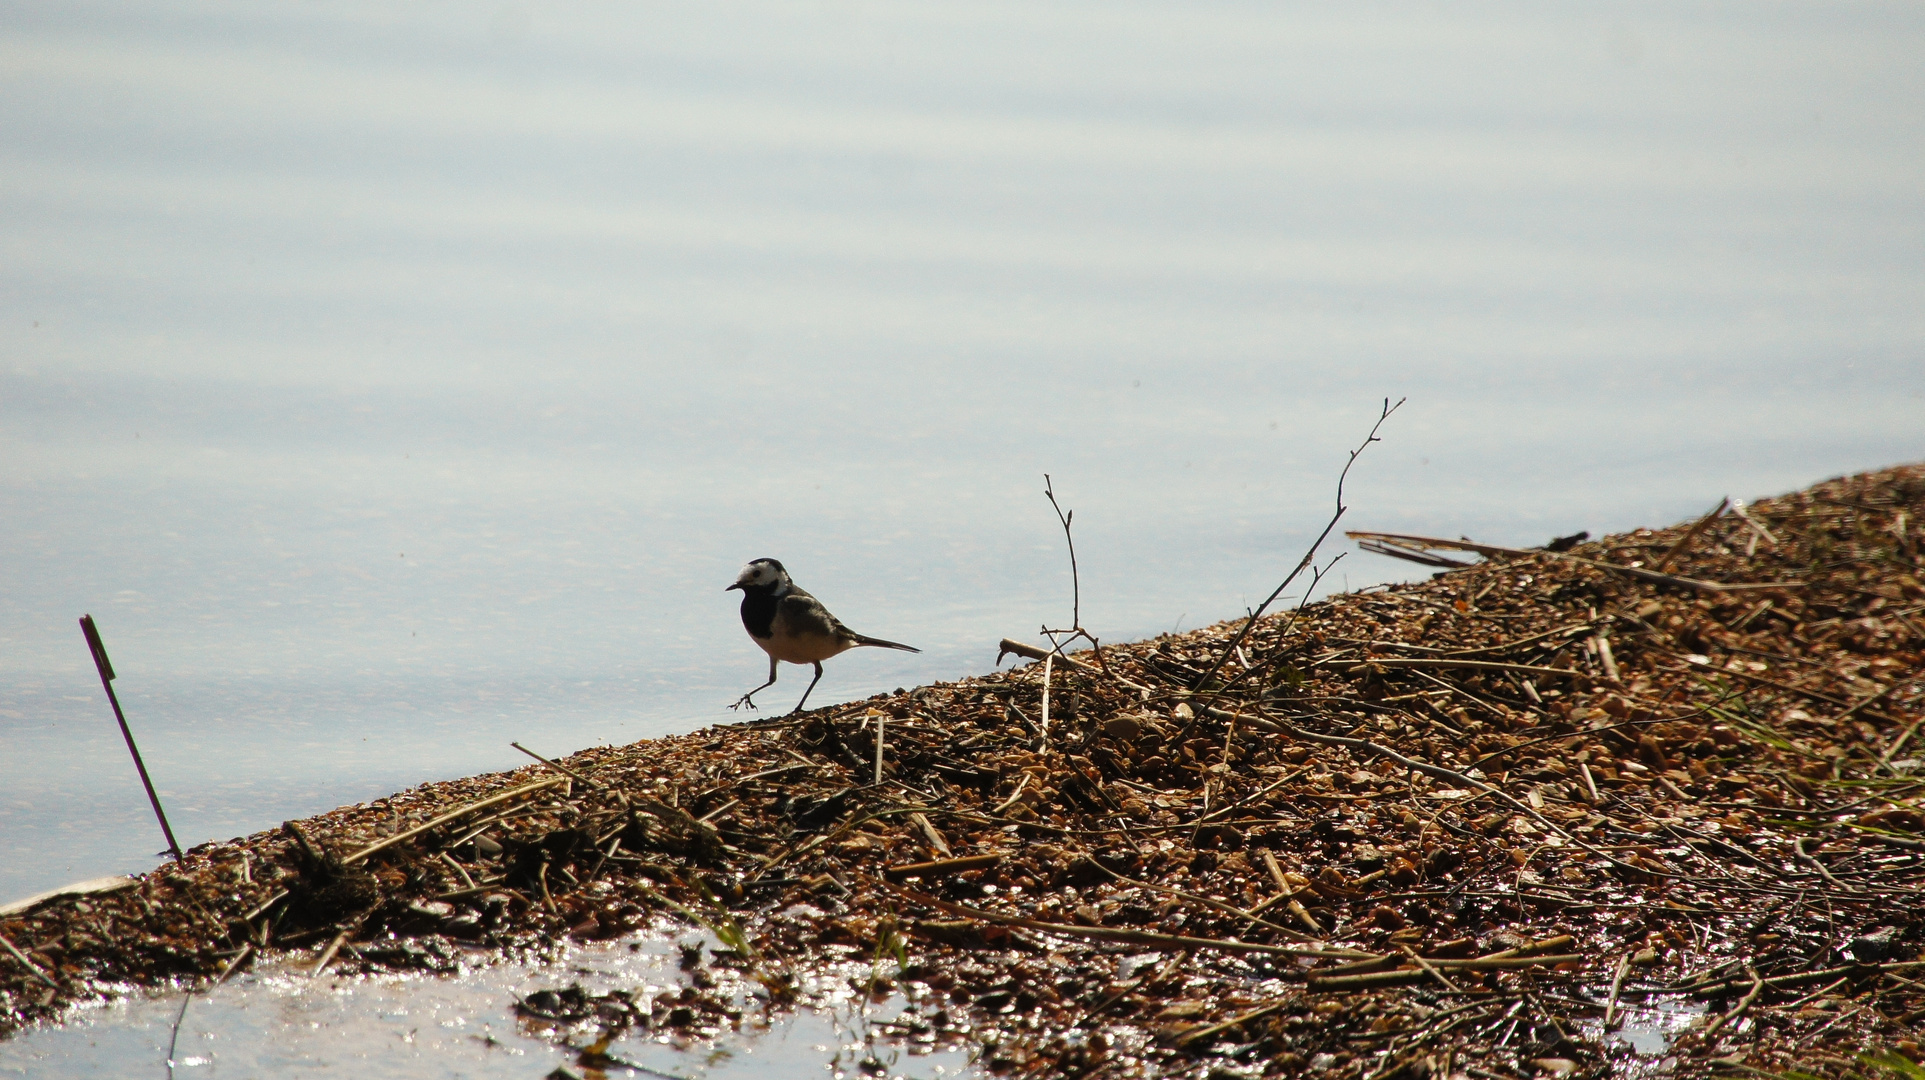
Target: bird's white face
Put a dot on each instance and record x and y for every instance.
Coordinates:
(759, 574)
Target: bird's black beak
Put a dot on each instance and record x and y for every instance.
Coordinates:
(737, 585)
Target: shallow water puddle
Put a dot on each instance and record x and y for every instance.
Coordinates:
(276, 1020)
(1647, 1032)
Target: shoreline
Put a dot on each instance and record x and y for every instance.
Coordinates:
(1454, 824)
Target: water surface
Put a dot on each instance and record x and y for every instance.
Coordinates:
(280, 1021)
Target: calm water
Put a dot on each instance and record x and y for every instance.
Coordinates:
(391, 383)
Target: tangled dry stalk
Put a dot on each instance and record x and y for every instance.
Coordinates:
(1457, 828)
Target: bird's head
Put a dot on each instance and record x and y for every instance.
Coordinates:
(762, 574)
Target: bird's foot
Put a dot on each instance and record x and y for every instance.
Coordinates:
(747, 702)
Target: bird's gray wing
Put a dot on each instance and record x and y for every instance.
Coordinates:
(806, 617)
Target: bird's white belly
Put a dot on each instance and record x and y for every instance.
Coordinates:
(802, 648)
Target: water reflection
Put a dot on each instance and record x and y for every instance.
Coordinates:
(276, 1020)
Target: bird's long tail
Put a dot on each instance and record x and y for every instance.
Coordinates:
(862, 639)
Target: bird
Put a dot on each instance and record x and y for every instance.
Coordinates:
(789, 624)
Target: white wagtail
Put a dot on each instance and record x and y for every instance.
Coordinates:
(791, 625)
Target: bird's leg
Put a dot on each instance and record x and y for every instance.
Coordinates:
(746, 698)
(805, 693)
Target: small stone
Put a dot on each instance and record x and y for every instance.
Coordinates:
(466, 926)
(1387, 918)
(1875, 947)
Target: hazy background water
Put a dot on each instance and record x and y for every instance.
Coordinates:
(393, 382)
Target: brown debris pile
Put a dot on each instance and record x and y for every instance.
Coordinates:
(1458, 828)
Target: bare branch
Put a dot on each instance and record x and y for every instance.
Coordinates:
(1075, 629)
(1308, 556)
(1316, 576)
(1075, 581)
